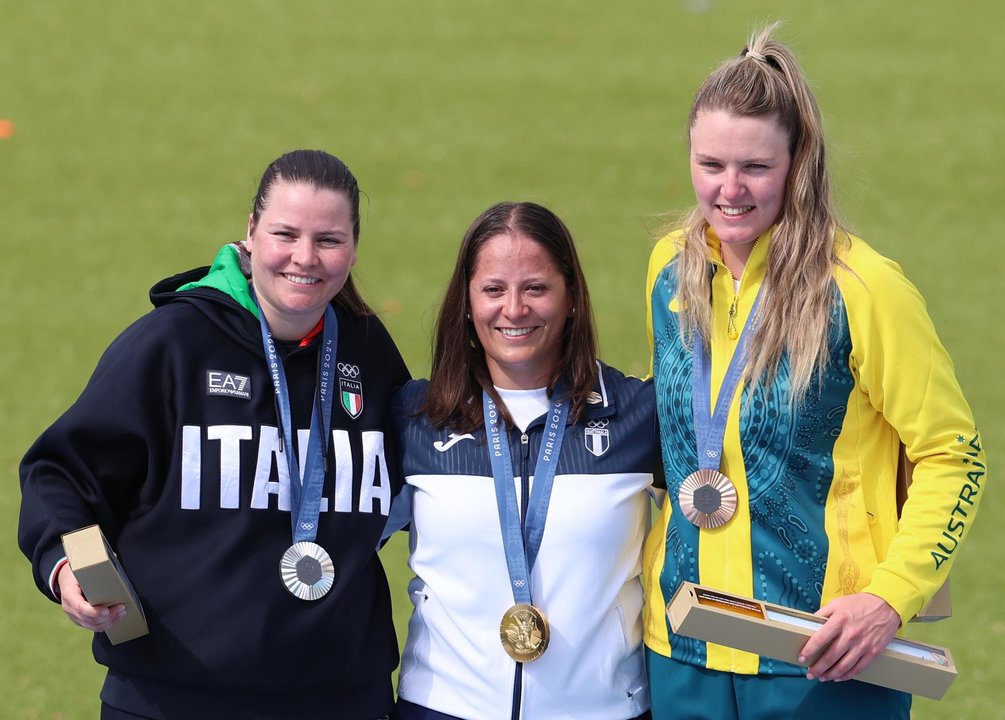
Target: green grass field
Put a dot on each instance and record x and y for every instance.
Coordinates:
(141, 130)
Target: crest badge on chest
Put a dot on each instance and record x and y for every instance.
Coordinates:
(597, 437)
(350, 389)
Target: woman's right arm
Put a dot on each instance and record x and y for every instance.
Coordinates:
(88, 466)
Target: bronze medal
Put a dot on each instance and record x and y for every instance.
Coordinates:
(707, 498)
(524, 633)
(307, 570)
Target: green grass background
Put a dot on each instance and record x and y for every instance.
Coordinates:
(142, 128)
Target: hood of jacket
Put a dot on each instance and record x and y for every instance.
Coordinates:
(220, 291)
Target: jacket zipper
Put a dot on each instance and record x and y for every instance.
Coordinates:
(731, 329)
(524, 500)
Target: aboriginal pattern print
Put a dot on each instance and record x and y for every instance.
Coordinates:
(672, 375)
(787, 457)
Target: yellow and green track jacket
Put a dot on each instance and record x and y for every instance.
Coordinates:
(816, 484)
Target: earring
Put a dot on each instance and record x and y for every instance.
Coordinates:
(469, 316)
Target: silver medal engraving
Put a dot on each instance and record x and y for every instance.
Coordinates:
(307, 570)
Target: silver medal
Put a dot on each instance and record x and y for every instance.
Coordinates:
(307, 570)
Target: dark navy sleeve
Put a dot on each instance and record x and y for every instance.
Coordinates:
(648, 398)
(89, 465)
(404, 408)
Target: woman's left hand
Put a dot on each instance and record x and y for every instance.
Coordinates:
(858, 628)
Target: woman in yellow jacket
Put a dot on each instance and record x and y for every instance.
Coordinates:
(791, 361)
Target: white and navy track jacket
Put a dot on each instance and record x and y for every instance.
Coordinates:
(586, 578)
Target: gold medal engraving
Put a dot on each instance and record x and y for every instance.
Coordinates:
(524, 633)
(307, 570)
(707, 498)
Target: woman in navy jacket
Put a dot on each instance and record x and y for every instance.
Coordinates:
(233, 446)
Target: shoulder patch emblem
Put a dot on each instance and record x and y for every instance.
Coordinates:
(229, 384)
(350, 389)
(597, 437)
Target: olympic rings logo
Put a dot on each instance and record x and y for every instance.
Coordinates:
(349, 371)
(602, 423)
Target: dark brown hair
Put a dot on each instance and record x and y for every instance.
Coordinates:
(459, 371)
(322, 171)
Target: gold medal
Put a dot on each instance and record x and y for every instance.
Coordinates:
(707, 498)
(524, 633)
(307, 570)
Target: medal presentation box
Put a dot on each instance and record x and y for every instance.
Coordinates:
(780, 632)
(103, 581)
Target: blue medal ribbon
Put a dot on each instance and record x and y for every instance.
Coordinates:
(305, 493)
(709, 427)
(521, 544)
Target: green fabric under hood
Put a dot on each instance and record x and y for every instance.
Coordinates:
(225, 275)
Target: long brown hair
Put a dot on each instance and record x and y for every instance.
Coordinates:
(459, 372)
(765, 80)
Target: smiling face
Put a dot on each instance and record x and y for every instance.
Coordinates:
(519, 306)
(739, 167)
(302, 248)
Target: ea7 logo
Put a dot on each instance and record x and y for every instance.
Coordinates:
(597, 437)
(220, 382)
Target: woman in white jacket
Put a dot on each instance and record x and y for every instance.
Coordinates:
(520, 424)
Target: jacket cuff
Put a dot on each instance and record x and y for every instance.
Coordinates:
(51, 563)
(906, 599)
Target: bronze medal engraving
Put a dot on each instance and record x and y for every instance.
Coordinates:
(307, 570)
(524, 633)
(707, 498)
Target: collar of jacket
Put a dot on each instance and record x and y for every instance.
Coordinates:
(604, 394)
(757, 263)
(227, 276)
